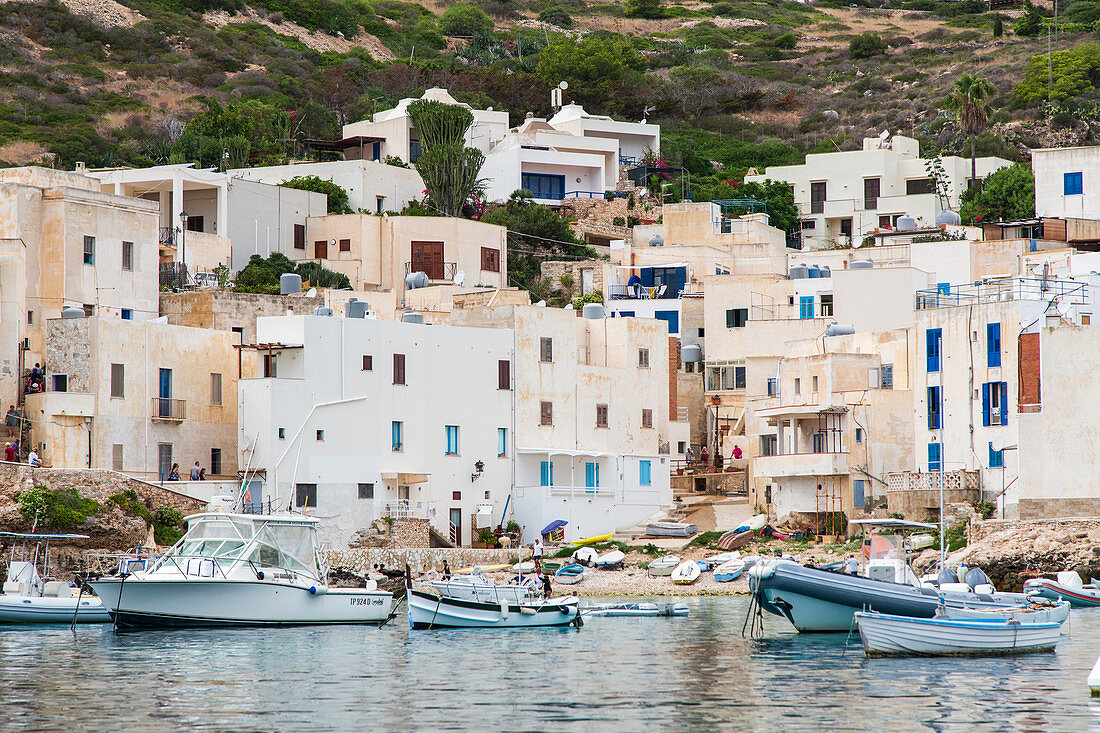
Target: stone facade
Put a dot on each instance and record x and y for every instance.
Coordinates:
(225, 310)
(728, 482)
(553, 270)
(69, 347)
(420, 559)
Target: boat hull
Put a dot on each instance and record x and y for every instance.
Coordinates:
(484, 592)
(886, 635)
(637, 610)
(45, 610)
(1079, 598)
(144, 603)
(1056, 614)
(428, 611)
(817, 600)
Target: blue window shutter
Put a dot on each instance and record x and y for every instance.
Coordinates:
(644, 475)
(985, 403)
(1073, 183)
(597, 473)
(672, 318)
(934, 419)
(934, 457)
(932, 348)
(681, 280)
(996, 458)
(626, 314)
(1004, 403)
(544, 473)
(993, 344)
(806, 306)
(857, 493)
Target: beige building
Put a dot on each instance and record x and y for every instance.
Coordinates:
(63, 242)
(225, 310)
(592, 429)
(136, 397)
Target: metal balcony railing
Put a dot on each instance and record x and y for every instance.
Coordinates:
(166, 235)
(444, 271)
(166, 408)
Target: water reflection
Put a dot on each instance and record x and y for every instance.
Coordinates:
(627, 674)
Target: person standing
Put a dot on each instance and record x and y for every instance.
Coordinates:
(9, 453)
(689, 455)
(546, 591)
(196, 472)
(202, 474)
(174, 474)
(12, 420)
(536, 552)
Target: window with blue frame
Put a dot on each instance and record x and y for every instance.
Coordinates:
(543, 185)
(591, 477)
(644, 473)
(995, 403)
(933, 339)
(935, 456)
(996, 457)
(672, 318)
(806, 306)
(546, 473)
(452, 439)
(502, 442)
(993, 344)
(127, 314)
(1073, 183)
(397, 435)
(858, 489)
(935, 417)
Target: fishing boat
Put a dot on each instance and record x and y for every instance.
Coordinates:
(570, 574)
(31, 597)
(663, 565)
(1068, 586)
(611, 560)
(1056, 612)
(636, 609)
(889, 635)
(476, 587)
(240, 570)
(585, 556)
(686, 573)
(593, 540)
(432, 610)
(729, 570)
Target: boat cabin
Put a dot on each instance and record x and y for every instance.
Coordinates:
(886, 549)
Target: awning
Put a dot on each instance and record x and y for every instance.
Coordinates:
(405, 478)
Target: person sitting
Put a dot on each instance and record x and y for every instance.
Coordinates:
(33, 460)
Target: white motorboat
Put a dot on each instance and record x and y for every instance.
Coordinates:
(611, 560)
(686, 572)
(888, 635)
(663, 565)
(636, 609)
(729, 570)
(1068, 586)
(240, 570)
(29, 598)
(585, 556)
(476, 587)
(1049, 612)
(432, 611)
(524, 568)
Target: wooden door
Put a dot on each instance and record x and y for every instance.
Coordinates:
(427, 257)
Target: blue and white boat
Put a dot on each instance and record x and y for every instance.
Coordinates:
(730, 570)
(570, 574)
(889, 635)
(432, 611)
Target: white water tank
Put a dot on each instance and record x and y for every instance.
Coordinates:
(356, 309)
(290, 283)
(906, 223)
(656, 241)
(691, 354)
(72, 311)
(416, 280)
(412, 318)
(947, 217)
(860, 265)
(322, 310)
(799, 272)
(592, 310)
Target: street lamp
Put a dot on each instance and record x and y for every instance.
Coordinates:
(183, 244)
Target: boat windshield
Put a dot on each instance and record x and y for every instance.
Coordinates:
(885, 547)
(287, 546)
(220, 538)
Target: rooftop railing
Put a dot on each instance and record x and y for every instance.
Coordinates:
(1016, 288)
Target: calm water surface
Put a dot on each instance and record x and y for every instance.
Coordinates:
(693, 673)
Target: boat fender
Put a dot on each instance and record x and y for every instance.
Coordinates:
(527, 611)
(259, 575)
(318, 590)
(564, 609)
(504, 609)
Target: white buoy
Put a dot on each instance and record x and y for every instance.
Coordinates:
(1094, 680)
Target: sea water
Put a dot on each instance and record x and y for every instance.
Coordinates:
(628, 674)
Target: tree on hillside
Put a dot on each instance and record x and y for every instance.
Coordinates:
(464, 20)
(645, 9)
(1066, 74)
(998, 26)
(866, 45)
(970, 100)
(1006, 195)
(337, 196)
(449, 168)
(1030, 23)
(594, 58)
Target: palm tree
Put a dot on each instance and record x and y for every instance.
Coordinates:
(969, 98)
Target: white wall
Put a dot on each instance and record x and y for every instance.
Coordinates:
(1050, 166)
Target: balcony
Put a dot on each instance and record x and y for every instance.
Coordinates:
(802, 464)
(1069, 292)
(436, 270)
(563, 490)
(640, 292)
(73, 404)
(168, 409)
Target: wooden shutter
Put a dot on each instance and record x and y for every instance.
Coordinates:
(299, 236)
(504, 374)
(345, 245)
(398, 368)
(547, 413)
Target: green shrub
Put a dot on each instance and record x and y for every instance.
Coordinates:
(786, 40)
(705, 539)
(595, 296)
(557, 15)
(645, 9)
(866, 45)
(464, 20)
(337, 196)
(56, 510)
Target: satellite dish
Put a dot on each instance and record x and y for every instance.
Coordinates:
(460, 277)
(312, 293)
(563, 86)
(998, 444)
(540, 304)
(884, 134)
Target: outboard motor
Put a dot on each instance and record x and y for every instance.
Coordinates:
(946, 576)
(975, 577)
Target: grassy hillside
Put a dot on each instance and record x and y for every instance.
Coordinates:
(737, 83)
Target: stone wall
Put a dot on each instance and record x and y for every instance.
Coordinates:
(69, 351)
(409, 533)
(225, 310)
(1064, 507)
(553, 270)
(919, 505)
(727, 482)
(420, 559)
(979, 530)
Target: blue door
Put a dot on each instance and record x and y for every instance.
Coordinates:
(591, 477)
(164, 406)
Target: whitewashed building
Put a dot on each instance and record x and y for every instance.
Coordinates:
(357, 419)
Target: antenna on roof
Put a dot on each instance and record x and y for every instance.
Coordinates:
(645, 113)
(556, 94)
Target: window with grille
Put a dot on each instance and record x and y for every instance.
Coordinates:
(647, 418)
(546, 413)
(366, 491)
(643, 358)
(128, 256)
(601, 416)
